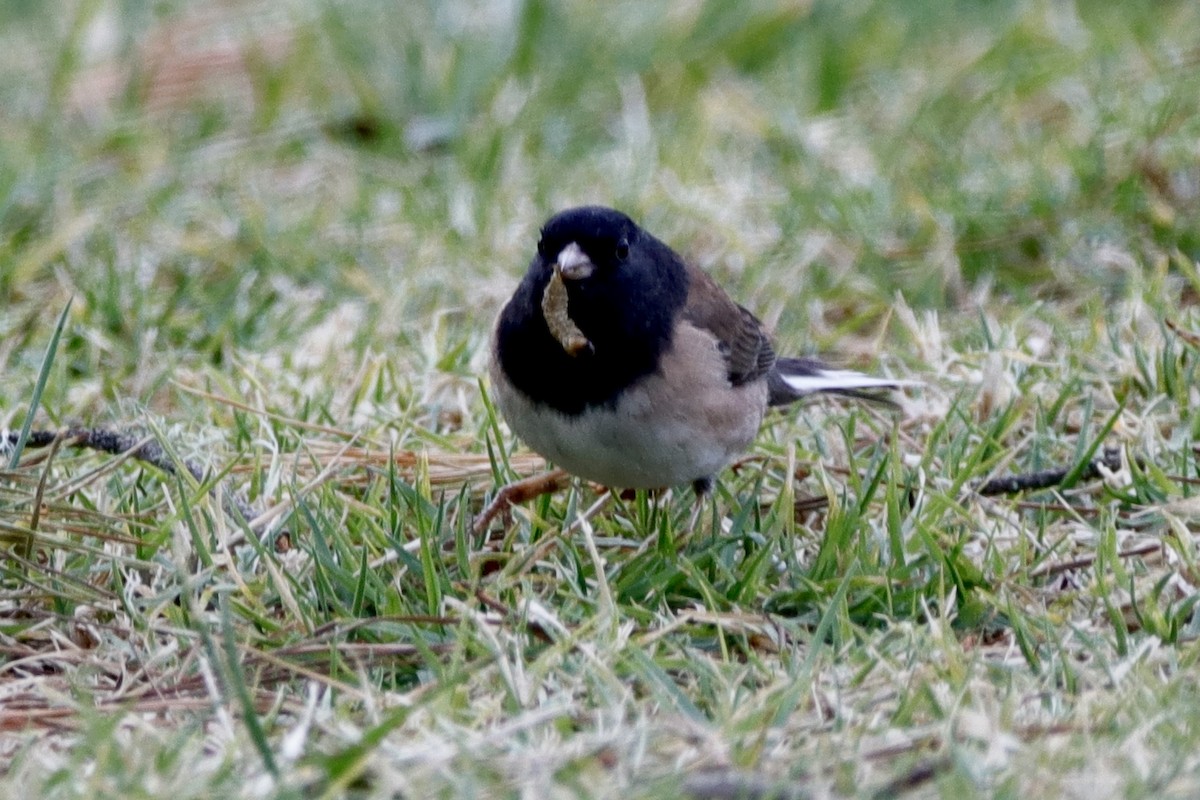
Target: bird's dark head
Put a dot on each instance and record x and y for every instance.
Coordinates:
(581, 242)
(618, 278)
(623, 291)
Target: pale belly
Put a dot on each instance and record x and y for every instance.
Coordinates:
(654, 436)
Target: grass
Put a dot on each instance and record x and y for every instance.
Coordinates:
(279, 234)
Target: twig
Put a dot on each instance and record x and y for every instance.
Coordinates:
(521, 491)
(1045, 479)
(737, 785)
(917, 776)
(1081, 562)
(511, 616)
(117, 443)
(1010, 484)
(1188, 336)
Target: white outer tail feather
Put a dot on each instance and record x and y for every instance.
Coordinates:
(832, 380)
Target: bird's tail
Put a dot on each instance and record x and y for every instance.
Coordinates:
(794, 378)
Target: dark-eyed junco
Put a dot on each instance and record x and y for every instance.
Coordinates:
(624, 365)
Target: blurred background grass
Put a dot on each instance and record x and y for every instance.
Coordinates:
(216, 178)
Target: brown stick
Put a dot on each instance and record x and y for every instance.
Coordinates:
(521, 491)
(1032, 481)
(117, 443)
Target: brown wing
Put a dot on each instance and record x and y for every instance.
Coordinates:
(740, 335)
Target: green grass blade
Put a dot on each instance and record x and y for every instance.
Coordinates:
(40, 386)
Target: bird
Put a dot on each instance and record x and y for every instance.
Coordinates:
(625, 365)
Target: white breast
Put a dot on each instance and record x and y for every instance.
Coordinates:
(680, 424)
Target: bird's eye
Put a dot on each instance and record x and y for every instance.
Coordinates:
(542, 246)
(622, 250)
